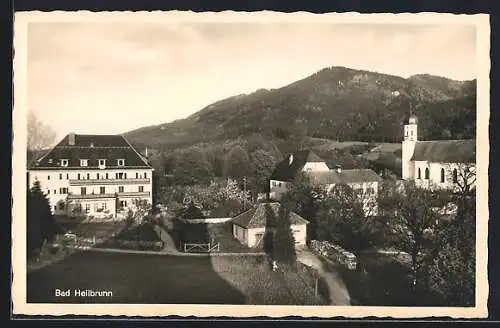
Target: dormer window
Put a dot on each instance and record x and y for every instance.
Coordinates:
(121, 162)
(102, 162)
(64, 162)
(50, 161)
(84, 162)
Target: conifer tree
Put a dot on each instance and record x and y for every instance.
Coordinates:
(40, 222)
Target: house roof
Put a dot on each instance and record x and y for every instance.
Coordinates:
(92, 148)
(286, 171)
(263, 215)
(445, 151)
(344, 176)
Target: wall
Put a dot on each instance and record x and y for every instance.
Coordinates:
(278, 189)
(207, 220)
(53, 180)
(315, 167)
(241, 234)
(299, 233)
(435, 174)
(370, 193)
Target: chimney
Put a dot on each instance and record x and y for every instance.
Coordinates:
(71, 139)
(290, 159)
(338, 168)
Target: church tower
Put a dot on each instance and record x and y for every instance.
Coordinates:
(410, 138)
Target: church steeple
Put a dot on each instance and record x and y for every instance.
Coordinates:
(410, 138)
(411, 129)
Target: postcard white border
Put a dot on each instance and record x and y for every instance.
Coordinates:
(20, 306)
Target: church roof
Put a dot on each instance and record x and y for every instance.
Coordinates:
(286, 171)
(445, 151)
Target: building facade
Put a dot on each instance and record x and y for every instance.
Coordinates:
(93, 174)
(446, 164)
(364, 182)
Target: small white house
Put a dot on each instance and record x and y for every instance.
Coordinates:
(251, 226)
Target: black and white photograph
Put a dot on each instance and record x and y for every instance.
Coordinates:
(250, 164)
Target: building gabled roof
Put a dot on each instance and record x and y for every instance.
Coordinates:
(286, 171)
(264, 215)
(92, 148)
(445, 151)
(344, 176)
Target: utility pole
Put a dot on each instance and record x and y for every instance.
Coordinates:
(316, 276)
(244, 193)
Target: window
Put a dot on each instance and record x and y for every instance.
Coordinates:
(102, 190)
(60, 176)
(119, 175)
(102, 162)
(63, 190)
(442, 175)
(48, 177)
(107, 176)
(84, 162)
(88, 176)
(455, 176)
(121, 162)
(55, 191)
(83, 190)
(64, 162)
(48, 192)
(55, 207)
(137, 175)
(124, 175)
(120, 189)
(87, 208)
(67, 176)
(145, 175)
(370, 190)
(97, 176)
(427, 173)
(419, 175)
(78, 176)
(141, 188)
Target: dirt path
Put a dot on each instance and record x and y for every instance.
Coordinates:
(338, 291)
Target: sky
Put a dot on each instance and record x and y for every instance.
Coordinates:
(113, 77)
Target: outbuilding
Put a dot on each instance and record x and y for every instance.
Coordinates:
(250, 227)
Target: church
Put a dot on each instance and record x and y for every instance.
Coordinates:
(446, 164)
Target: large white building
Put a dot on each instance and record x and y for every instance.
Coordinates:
(90, 174)
(364, 182)
(446, 164)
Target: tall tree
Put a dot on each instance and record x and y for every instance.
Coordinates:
(237, 163)
(40, 222)
(343, 219)
(415, 217)
(40, 135)
(262, 163)
(192, 168)
(451, 272)
(283, 241)
(303, 198)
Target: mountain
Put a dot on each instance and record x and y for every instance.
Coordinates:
(335, 103)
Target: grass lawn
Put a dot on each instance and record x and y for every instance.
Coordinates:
(137, 278)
